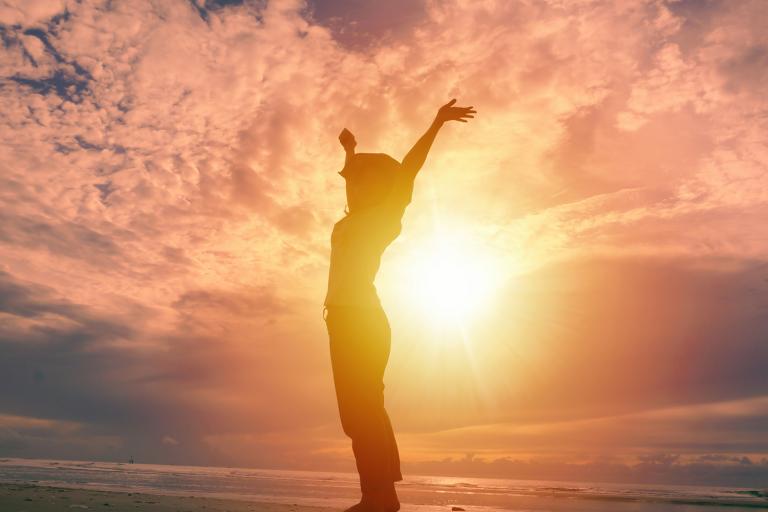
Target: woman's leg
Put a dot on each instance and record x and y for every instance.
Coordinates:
(360, 345)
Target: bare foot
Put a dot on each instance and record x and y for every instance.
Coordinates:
(369, 506)
(358, 507)
(385, 501)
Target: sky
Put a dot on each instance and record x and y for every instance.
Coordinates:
(168, 181)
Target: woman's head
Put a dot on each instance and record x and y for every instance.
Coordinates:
(369, 178)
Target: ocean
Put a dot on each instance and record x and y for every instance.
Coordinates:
(339, 490)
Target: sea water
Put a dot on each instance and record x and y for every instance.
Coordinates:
(339, 490)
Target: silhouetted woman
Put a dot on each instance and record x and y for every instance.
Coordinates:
(378, 190)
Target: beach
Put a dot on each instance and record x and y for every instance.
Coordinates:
(28, 485)
(41, 498)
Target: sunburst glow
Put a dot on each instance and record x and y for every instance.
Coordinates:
(451, 278)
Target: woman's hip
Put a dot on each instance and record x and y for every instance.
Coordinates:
(362, 335)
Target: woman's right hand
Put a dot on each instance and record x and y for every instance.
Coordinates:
(347, 140)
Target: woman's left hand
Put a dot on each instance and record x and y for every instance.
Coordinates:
(450, 113)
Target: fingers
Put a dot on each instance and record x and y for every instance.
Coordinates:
(450, 103)
(463, 117)
(466, 113)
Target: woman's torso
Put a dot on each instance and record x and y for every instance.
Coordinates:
(357, 244)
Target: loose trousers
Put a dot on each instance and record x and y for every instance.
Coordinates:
(360, 344)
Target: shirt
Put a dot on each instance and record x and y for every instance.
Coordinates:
(357, 244)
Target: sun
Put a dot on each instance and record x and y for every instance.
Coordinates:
(451, 278)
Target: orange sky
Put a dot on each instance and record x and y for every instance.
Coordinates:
(168, 181)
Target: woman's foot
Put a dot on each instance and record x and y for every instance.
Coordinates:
(370, 506)
(364, 506)
(384, 500)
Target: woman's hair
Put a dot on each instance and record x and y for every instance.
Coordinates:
(369, 178)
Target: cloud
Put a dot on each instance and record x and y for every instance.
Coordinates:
(28, 13)
(36, 437)
(170, 441)
(660, 468)
(258, 303)
(723, 431)
(361, 27)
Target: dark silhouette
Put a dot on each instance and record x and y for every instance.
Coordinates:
(378, 191)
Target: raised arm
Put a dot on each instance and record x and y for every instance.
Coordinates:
(414, 160)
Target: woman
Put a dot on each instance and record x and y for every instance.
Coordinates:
(378, 190)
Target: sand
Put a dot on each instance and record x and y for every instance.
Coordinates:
(34, 498)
